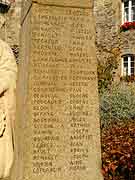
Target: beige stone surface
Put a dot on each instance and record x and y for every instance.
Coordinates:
(58, 129)
(74, 3)
(26, 5)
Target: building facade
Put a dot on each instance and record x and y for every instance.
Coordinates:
(115, 35)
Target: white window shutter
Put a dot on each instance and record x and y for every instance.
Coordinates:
(129, 65)
(130, 11)
(122, 67)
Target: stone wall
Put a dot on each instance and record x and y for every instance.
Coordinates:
(127, 42)
(110, 42)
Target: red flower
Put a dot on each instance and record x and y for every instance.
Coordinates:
(127, 25)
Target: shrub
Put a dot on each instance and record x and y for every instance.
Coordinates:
(118, 151)
(117, 104)
(107, 65)
(105, 73)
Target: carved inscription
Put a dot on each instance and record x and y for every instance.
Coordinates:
(60, 89)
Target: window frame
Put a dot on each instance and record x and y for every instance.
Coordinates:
(130, 13)
(130, 62)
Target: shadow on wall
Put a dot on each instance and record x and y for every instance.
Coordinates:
(4, 6)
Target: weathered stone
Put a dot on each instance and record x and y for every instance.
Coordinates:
(108, 20)
(58, 134)
(108, 17)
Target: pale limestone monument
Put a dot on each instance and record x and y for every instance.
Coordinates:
(8, 76)
(57, 128)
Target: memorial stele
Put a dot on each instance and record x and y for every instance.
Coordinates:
(57, 126)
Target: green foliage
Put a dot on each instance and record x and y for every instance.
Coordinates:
(105, 72)
(118, 151)
(117, 104)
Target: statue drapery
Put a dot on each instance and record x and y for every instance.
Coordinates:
(8, 73)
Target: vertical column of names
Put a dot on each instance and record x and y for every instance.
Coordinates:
(61, 69)
(45, 141)
(81, 75)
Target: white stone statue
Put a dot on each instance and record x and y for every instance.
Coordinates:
(8, 74)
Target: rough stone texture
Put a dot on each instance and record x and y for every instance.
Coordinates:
(58, 130)
(110, 42)
(107, 14)
(10, 32)
(127, 42)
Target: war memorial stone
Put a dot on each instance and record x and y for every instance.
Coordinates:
(58, 129)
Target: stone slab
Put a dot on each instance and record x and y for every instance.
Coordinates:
(72, 3)
(26, 6)
(58, 129)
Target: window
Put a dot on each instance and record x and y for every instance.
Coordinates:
(128, 11)
(133, 11)
(128, 65)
